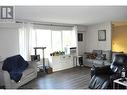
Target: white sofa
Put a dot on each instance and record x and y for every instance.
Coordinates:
(98, 61)
(29, 74)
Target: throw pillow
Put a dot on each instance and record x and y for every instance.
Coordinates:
(99, 57)
(103, 57)
(91, 55)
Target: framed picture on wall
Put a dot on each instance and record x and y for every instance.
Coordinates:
(101, 35)
(80, 36)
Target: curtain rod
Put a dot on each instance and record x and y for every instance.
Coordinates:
(46, 24)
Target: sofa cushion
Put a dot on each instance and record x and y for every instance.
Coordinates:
(27, 72)
(98, 63)
(98, 53)
(106, 62)
(100, 57)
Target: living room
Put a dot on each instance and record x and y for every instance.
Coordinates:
(76, 37)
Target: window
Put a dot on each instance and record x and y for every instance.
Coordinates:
(69, 39)
(54, 39)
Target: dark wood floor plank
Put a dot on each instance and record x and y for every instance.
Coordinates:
(74, 78)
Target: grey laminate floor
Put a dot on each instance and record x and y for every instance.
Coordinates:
(74, 78)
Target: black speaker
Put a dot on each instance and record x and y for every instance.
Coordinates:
(80, 61)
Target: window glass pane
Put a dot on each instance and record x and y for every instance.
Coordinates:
(66, 38)
(43, 39)
(73, 38)
(56, 41)
(69, 40)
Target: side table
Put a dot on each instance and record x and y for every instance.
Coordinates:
(124, 83)
(78, 60)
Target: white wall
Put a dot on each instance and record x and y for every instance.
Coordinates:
(81, 45)
(8, 40)
(91, 37)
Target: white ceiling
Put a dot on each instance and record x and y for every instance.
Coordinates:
(84, 15)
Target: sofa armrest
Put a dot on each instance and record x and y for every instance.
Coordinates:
(6, 79)
(101, 70)
(32, 64)
(1, 78)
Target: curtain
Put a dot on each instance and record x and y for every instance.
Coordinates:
(74, 37)
(26, 40)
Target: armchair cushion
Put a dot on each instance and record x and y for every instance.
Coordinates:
(102, 70)
(98, 82)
